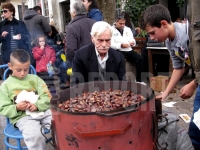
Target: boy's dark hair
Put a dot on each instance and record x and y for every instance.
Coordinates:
(10, 7)
(21, 55)
(153, 16)
(36, 8)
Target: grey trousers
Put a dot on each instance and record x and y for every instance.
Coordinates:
(30, 128)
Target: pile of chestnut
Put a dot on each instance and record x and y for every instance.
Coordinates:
(101, 101)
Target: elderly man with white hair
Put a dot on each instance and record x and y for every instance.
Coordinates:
(97, 61)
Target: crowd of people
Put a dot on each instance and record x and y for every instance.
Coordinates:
(90, 47)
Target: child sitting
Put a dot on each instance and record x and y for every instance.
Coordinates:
(44, 54)
(20, 80)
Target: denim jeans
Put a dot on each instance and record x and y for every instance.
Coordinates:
(194, 131)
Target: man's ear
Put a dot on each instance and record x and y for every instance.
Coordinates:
(92, 39)
(163, 22)
(9, 66)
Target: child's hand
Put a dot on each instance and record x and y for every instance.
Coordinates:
(32, 107)
(42, 47)
(50, 62)
(22, 105)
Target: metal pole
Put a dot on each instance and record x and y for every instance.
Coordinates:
(23, 9)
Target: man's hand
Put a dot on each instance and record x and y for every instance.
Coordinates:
(188, 90)
(125, 45)
(22, 105)
(132, 44)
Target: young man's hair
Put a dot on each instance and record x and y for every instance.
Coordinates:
(153, 16)
(36, 8)
(20, 55)
(10, 7)
(120, 17)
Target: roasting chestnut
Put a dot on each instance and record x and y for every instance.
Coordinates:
(101, 101)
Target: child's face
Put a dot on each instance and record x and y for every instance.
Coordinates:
(19, 70)
(157, 34)
(41, 41)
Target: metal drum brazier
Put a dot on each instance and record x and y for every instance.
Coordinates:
(129, 128)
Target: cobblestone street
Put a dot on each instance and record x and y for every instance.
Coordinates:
(181, 107)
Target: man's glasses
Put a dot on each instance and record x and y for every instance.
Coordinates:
(4, 11)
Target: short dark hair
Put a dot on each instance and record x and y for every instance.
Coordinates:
(36, 8)
(153, 16)
(92, 5)
(119, 17)
(21, 55)
(10, 7)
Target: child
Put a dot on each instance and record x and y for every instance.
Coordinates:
(20, 80)
(44, 54)
(156, 20)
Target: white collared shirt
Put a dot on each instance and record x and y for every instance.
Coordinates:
(102, 62)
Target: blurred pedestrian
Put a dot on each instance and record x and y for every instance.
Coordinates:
(92, 9)
(13, 33)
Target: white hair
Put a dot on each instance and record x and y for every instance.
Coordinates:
(77, 7)
(99, 27)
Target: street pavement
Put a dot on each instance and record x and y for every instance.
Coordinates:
(181, 107)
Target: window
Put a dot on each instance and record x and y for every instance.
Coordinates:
(20, 11)
(46, 9)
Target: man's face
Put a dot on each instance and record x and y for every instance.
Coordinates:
(120, 24)
(102, 42)
(19, 70)
(157, 34)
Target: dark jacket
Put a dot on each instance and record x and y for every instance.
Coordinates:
(18, 28)
(85, 63)
(36, 24)
(78, 34)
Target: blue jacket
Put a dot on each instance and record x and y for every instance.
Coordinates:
(18, 28)
(95, 14)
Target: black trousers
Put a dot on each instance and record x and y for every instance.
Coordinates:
(137, 60)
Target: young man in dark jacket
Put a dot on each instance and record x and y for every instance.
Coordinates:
(36, 23)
